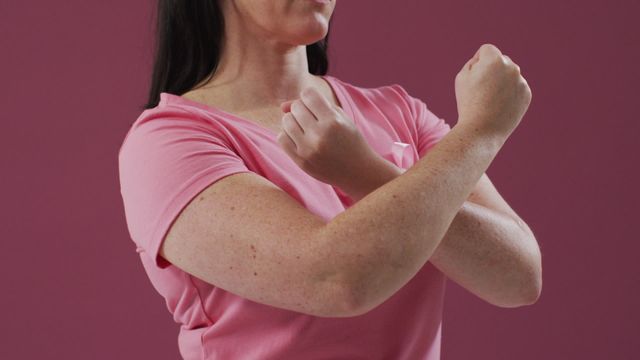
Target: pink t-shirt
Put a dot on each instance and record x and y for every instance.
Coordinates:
(177, 149)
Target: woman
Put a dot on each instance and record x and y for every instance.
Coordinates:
(286, 214)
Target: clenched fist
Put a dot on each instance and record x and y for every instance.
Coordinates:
(491, 94)
(323, 141)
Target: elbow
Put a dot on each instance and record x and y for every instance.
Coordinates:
(530, 285)
(353, 303)
(343, 301)
(527, 294)
(528, 289)
(533, 276)
(531, 292)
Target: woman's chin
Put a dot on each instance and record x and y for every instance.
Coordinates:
(311, 34)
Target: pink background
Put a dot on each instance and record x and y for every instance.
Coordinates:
(75, 73)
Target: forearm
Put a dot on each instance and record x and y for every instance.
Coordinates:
(490, 255)
(380, 242)
(484, 251)
(373, 176)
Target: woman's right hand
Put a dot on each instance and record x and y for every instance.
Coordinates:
(491, 94)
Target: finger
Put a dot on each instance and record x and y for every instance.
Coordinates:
(286, 106)
(303, 115)
(469, 64)
(292, 128)
(509, 61)
(289, 147)
(474, 59)
(489, 50)
(317, 103)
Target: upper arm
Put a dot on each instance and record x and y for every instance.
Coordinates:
(191, 202)
(247, 236)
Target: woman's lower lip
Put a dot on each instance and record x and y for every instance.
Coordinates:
(321, 1)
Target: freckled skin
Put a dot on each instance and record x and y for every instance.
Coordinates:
(212, 233)
(357, 260)
(354, 258)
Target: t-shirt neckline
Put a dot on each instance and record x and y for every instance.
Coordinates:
(168, 99)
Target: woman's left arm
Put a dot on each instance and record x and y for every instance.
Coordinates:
(488, 249)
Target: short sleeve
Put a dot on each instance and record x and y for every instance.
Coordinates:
(429, 127)
(164, 162)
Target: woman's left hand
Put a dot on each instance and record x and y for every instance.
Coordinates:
(321, 139)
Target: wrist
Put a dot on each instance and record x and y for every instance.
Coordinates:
(489, 135)
(370, 176)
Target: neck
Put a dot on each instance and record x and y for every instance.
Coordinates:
(255, 72)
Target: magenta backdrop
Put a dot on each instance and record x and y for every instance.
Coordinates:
(75, 74)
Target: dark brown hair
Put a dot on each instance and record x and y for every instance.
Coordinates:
(188, 42)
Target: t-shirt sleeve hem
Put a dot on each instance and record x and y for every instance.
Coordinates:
(179, 202)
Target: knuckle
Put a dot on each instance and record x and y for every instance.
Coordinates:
(524, 88)
(527, 88)
(297, 107)
(307, 92)
(495, 62)
(513, 70)
(490, 49)
(311, 102)
(516, 67)
(309, 96)
(510, 64)
(288, 121)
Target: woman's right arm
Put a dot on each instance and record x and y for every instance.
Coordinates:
(247, 236)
